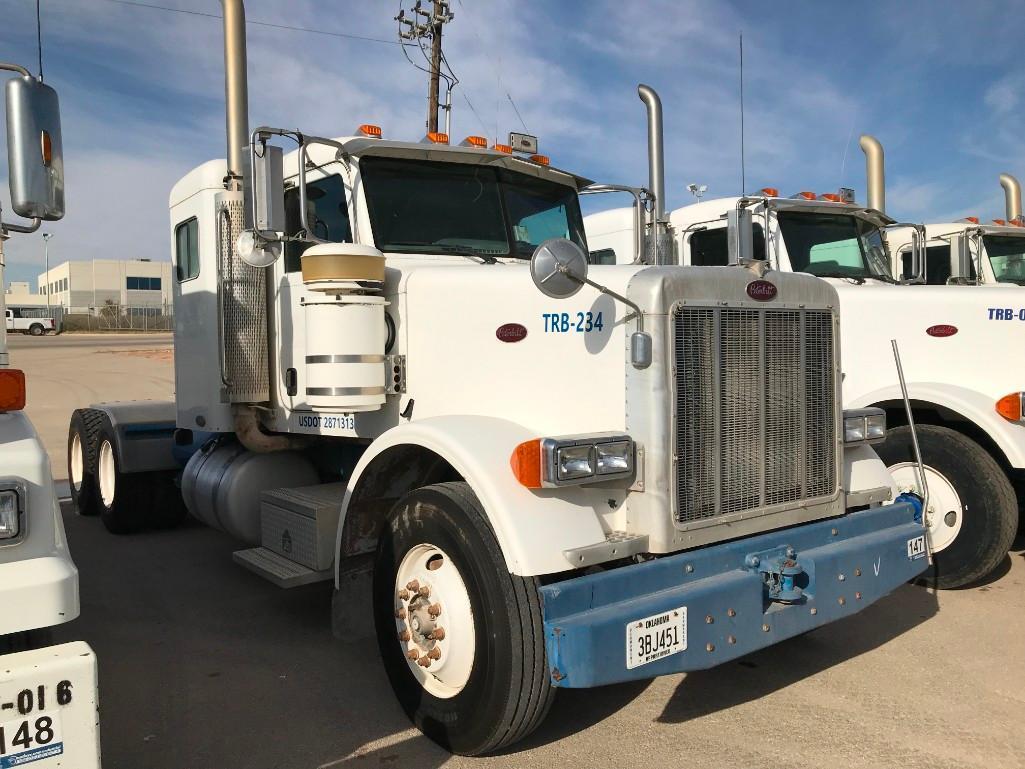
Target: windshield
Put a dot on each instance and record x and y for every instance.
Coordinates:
(833, 245)
(1007, 257)
(420, 206)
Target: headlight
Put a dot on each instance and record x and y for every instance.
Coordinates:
(864, 426)
(10, 525)
(574, 459)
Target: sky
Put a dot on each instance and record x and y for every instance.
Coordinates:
(142, 96)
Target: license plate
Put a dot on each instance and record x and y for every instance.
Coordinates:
(916, 547)
(656, 637)
(26, 739)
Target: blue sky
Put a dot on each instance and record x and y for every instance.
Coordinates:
(142, 96)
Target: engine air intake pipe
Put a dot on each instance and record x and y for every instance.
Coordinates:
(656, 162)
(236, 88)
(1012, 197)
(874, 172)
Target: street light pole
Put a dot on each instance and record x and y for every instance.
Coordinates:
(46, 263)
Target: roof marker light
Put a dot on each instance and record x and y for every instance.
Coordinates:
(1001, 222)
(368, 129)
(540, 159)
(972, 219)
(770, 192)
(832, 197)
(435, 137)
(806, 195)
(502, 148)
(475, 141)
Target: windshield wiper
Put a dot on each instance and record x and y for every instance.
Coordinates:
(448, 248)
(858, 279)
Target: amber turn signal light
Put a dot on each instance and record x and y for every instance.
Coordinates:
(526, 463)
(12, 389)
(1010, 407)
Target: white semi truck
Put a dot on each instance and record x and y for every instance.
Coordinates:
(969, 252)
(48, 694)
(393, 369)
(966, 396)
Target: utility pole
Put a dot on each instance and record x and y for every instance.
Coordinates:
(46, 266)
(427, 25)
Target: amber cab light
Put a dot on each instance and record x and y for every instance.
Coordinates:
(526, 463)
(1010, 407)
(502, 148)
(1001, 222)
(12, 389)
(46, 148)
(373, 131)
(540, 159)
(475, 141)
(832, 197)
(806, 195)
(436, 137)
(770, 192)
(972, 219)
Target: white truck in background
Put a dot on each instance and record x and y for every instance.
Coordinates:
(33, 325)
(966, 393)
(48, 694)
(394, 370)
(968, 252)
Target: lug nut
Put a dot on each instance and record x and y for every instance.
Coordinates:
(400, 614)
(424, 590)
(435, 653)
(412, 655)
(404, 595)
(438, 634)
(424, 661)
(412, 586)
(404, 635)
(434, 609)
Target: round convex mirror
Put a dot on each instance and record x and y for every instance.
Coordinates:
(559, 268)
(254, 252)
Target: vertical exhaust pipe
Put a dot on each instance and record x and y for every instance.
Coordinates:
(656, 163)
(1012, 197)
(874, 172)
(236, 90)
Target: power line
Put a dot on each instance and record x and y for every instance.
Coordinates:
(364, 38)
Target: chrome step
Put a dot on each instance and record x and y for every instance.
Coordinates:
(278, 569)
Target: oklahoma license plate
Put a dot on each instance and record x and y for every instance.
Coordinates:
(655, 637)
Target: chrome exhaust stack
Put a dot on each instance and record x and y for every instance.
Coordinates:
(874, 172)
(236, 91)
(660, 246)
(1012, 197)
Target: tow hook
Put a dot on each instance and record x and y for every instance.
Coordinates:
(780, 574)
(914, 500)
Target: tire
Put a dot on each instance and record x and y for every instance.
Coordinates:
(36, 329)
(974, 539)
(82, 433)
(123, 499)
(26, 640)
(504, 690)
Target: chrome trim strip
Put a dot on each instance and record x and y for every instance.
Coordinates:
(345, 359)
(333, 391)
(869, 496)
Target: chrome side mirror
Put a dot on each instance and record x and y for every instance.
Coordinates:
(34, 151)
(559, 268)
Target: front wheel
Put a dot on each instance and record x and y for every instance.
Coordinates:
(972, 513)
(461, 638)
(36, 329)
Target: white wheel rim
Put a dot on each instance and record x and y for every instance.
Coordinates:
(430, 596)
(106, 473)
(945, 514)
(77, 461)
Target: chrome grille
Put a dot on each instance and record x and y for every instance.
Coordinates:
(755, 409)
(243, 308)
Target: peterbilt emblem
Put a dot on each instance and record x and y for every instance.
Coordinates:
(941, 330)
(761, 290)
(511, 332)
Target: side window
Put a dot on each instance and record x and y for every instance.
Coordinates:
(710, 248)
(937, 265)
(602, 256)
(328, 216)
(186, 250)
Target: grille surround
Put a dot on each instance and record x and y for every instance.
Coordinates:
(755, 401)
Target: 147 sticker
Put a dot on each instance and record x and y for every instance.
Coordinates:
(916, 547)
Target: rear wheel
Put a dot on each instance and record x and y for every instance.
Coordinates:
(123, 498)
(85, 426)
(461, 638)
(36, 329)
(972, 513)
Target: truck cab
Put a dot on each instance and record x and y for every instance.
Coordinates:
(967, 403)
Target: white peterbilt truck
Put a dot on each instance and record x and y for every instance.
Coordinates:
(48, 694)
(395, 370)
(968, 252)
(966, 399)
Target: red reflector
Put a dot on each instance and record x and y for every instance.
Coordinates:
(12, 389)
(941, 330)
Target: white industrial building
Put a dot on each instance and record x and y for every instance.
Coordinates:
(85, 286)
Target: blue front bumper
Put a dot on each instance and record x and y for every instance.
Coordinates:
(848, 563)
